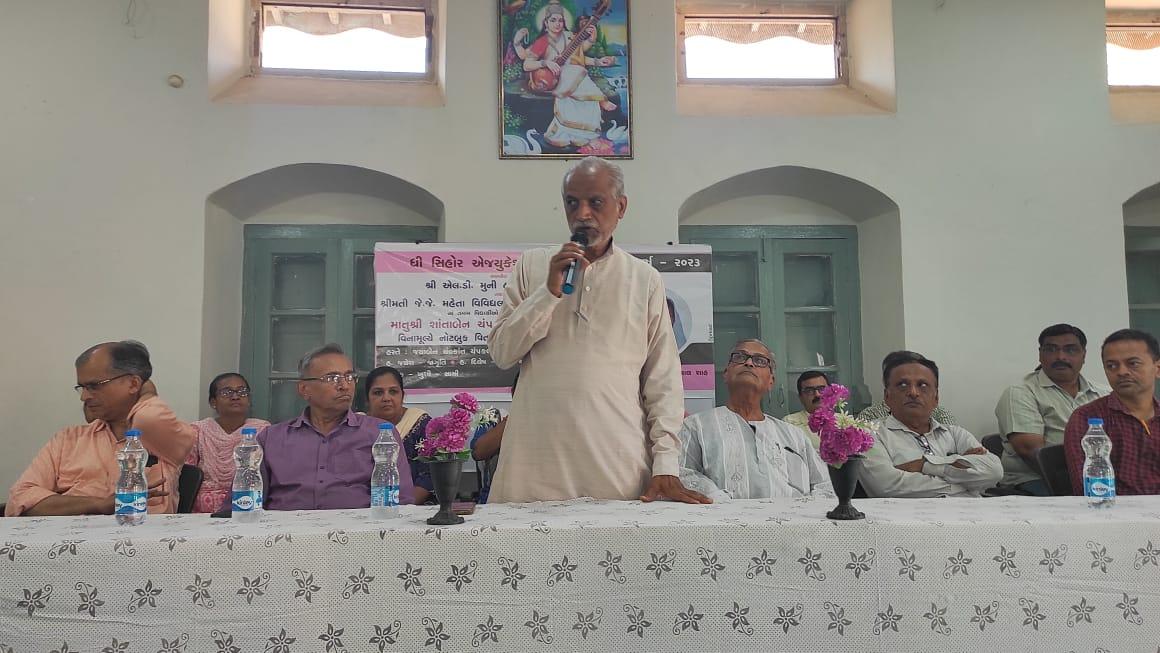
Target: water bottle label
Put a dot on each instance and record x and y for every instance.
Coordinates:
(129, 503)
(387, 495)
(247, 500)
(1104, 488)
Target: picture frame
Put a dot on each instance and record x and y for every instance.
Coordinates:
(573, 109)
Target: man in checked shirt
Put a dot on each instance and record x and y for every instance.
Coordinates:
(1131, 415)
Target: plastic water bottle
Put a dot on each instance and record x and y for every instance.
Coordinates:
(385, 477)
(247, 491)
(132, 494)
(1099, 479)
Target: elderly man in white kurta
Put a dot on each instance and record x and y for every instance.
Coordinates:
(600, 397)
(736, 451)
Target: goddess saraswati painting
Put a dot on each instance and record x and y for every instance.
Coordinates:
(564, 79)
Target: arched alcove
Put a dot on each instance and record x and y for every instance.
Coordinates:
(297, 194)
(1142, 258)
(803, 203)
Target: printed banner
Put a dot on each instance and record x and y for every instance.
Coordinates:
(437, 302)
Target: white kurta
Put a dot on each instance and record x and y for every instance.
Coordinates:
(724, 457)
(600, 396)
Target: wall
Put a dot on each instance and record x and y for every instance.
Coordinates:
(1002, 157)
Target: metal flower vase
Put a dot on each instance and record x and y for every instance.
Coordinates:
(445, 475)
(845, 480)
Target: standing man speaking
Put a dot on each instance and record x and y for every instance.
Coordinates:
(600, 399)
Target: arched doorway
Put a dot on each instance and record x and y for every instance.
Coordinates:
(289, 267)
(809, 261)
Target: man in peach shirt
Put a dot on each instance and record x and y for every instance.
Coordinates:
(76, 472)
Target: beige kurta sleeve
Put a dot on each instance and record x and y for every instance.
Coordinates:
(525, 317)
(661, 390)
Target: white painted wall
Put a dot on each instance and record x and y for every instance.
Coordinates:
(1002, 157)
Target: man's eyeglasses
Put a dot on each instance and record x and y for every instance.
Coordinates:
(739, 358)
(333, 378)
(1070, 350)
(813, 390)
(924, 443)
(230, 393)
(93, 386)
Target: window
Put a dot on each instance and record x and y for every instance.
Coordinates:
(796, 289)
(792, 44)
(304, 287)
(1133, 43)
(366, 39)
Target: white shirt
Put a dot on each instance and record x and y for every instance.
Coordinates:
(896, 444)
(724, 457)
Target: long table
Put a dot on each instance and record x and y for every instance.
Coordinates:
(1012, 573)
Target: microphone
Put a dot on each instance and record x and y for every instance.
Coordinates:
(581, 239)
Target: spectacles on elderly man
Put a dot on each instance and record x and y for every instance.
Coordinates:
(739, 358)
(93, 386)
(334, 378)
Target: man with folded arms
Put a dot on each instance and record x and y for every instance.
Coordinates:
(914, 455)
(736, 451)
(321, 460)
(76, 472)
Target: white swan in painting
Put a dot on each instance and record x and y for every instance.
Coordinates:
(515, 145)
(617, 134)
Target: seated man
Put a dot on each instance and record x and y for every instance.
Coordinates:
(736, 451)
(914, 455)
(321, 460)
(809, 389)
(1131, 415)
(879, 410)
(76, 472)
(486, 443)
(1034, 413)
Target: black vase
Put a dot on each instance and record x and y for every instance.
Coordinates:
(845, 480)
(445, 477)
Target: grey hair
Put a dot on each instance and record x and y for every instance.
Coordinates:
(593, 164)
(308, 359)
(128, 357)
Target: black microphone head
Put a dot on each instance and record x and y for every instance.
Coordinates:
(580, 238)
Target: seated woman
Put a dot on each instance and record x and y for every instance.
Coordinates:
(229, 396)
(384, 395)
(485, 445)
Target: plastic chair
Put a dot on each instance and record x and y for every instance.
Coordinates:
(1053, 468)
(187, 486)
(994, 444)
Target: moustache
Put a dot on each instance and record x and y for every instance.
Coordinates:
(1060, 365)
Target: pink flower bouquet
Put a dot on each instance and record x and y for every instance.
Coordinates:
(449, 437)
(841, 434)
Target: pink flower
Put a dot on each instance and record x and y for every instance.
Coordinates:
(839, 443)
(467, 401)
(448, 435)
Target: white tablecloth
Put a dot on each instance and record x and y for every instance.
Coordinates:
(1017, 574)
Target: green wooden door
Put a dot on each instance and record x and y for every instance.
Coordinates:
(796, 289)
(1143, 262)
(304, 287)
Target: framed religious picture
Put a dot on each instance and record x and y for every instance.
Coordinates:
(565, 88)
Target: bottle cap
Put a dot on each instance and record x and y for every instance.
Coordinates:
(249, 430)
(1095, 421)
(133, 433)
(386, 426)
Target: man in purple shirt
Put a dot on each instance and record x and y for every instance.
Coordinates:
(321, 460)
